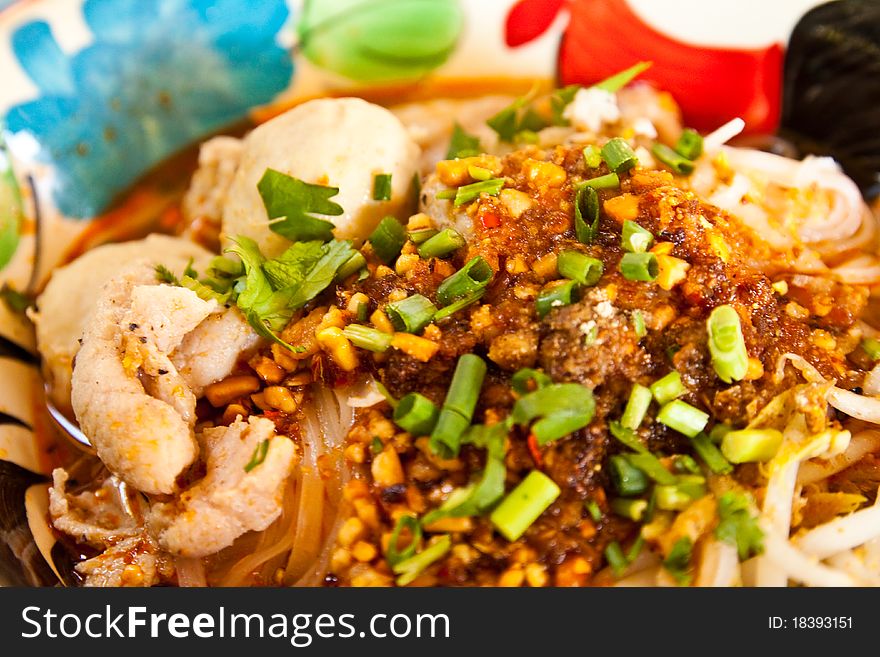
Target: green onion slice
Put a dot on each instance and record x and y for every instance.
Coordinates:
(683, 417)
(411, 314)
(416, 414)
(667, 388)
(690, 144)
(628, 480)
(619, 156)
(388, 239)
(458, 407)
(557, 296)
(608, 181)
(464, 302)
(563, 408)
(726, 344)
(441, 244)
(634, 238)
(579, 267)
(382, 187)
(528, 380)
(751, 445)
(468, 193)
(409, 569)
(678, 163)
(592, 157)
(711, 455)
(634, 509)
(471, 278)
(636, 407)
(524, 504)
(367, 338)
(396, 555)
(639, 266)
(586, 214)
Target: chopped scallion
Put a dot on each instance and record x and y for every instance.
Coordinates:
(619, 156)
(618, 81)
(751, 445)
(388, 239)
(586, 214)
(420, 236)
(653, 467)
(409, 569)
(690, 144)
(368, 338)
(627, 436)
(639, 266)
(411, 314)
(636, 407)
(872, 348)
(594, 510)
(468, 193)
(458, 407)
(635, 238)
(711, 455)
(354, 264)
(628, 508)
(726, 344)
(579, 267)
(683, 418)
(524, 504)
(628, 480)
(668, 388)
(395, 555)
(678, 163)
(557, 296)
(592, 157)
(258, 456)
(464, 302)
(416, 414)
(382, 187)
(479, 173)
(441, 244)
(608, 181)
(471, 278)
(615, 558)
(638, 320)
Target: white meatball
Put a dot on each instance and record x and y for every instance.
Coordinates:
(340, 142)
(72, 293)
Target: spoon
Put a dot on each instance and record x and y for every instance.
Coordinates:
(63, 423)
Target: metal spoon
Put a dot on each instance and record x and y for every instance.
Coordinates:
(63, 423)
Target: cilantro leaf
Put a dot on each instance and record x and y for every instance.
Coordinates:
(559, 100)
(290, 268)
(516, 118)
(737, 526)
(619, 80)
(165, 275)
(678, 562)
(205, 292)
(322, 273)
(462, 144)
(294, 202)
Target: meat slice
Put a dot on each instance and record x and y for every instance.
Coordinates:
(239, 493)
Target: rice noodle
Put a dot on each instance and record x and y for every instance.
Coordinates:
(719, 564)
(847, 211)
(858, 565)
(842, 533)
(720, 136)
(861, 444)
(871, 384)
(790, 563)
(334, 418)
(857, 406)
(190, 572)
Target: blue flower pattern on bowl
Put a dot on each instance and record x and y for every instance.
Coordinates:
(158, 75)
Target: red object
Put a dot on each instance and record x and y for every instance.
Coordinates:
(529, 19)
(490, 220)
(534, 450)
(712, 85)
